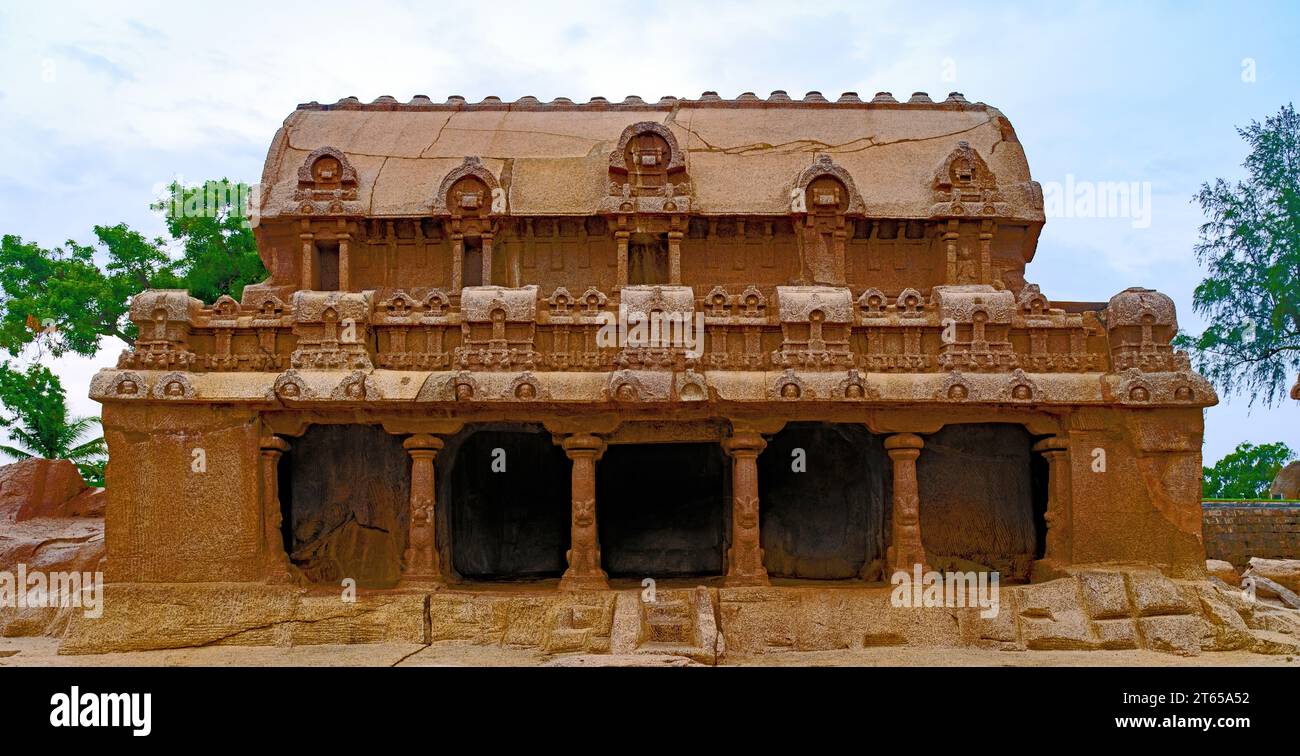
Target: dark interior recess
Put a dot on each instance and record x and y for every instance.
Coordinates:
(345, 498)
(983, 497)
(512, 523)
(661, 509)
(327, 266)
(826, 522)
(647, 259)
(471, 270)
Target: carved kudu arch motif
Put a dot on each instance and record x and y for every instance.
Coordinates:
(965, 171)
(327, 169)
(620, 160)
(825, 168)
(470, 177)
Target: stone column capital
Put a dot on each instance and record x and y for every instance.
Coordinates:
(583, 444)
(744, 443)
(904, 445)
(423, 442)
(273, 444)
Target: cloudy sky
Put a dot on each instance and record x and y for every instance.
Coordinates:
(100, 106)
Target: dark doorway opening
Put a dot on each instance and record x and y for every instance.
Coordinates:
(823, 492)
(647, 259)
(327, 266)
(471, 270)
(345, 497)
(506, 490)
(661, 509)
(983, 497)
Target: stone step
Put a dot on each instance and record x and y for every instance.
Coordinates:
(679, 624)
(563, 640)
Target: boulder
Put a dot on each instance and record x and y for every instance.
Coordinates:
(1287, 483)
(1223, 571)
(37, 487)
(50, 522)
(1285, 572)
(1269, 589)
(88, 503)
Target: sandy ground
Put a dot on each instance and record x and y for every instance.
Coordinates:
(35, 652)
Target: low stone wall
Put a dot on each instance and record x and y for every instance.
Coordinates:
(1235, 531)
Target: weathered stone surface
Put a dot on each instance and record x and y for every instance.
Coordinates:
(45, 528)
(1155, 594)
(1051, 616)
(989, 522)
(1116, 633)
(1105, 595)
(1222, 570)
(1286, 484)
(89, 503)
(138, 617)
(1285, 621)
(1174, 633)
(38, 487)
(1267, 642)
(349, 506)
(824, 521)
(1284, 572)
(1225, 630)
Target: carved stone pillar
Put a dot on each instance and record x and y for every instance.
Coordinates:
(620, 255)
(988, 275)
(839, 238)
(278, 567)
(745, 557)
(345, 260)
(1056, 551)
(486, 239)
(675, 257)
(905, 548)
(420, 563)
(584, 571)
(457, 263)
(307, 265)
(950, 237)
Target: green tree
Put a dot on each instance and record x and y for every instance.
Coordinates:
(65, 299)
(65, 288)
(36, 416)
(1251, 248)
(219, 251)
(1245, 473)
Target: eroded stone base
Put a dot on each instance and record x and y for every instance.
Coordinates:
(139, 617)
(1091, 609)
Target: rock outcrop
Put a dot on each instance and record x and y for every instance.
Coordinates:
(1287, 483)
(50, 521)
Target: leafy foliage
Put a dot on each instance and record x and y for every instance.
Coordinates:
(1245, 473)
(65, 299)
(1251, 247)
(219, 251)
(65, 288)
(36, 417)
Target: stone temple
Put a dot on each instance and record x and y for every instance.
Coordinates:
(441, 395)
